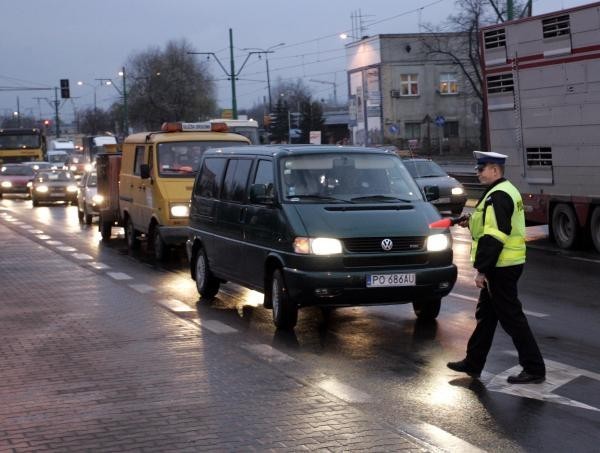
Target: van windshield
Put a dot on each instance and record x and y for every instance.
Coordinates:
(357, 177)
(182, 159)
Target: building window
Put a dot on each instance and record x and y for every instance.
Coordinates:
(409, 85)
(495, 38)
(412, 131)
(500, 84)
(539, 157)
(448, 83)
(556, 26)
(451, 129)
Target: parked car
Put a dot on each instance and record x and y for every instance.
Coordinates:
(317, 225)
(452, 195)
(52, 186)
(15, 179)
(88, 200)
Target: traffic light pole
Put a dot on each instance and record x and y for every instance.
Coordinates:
(56, 117)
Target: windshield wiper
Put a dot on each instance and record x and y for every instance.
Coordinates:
(385, 198)
(316, 196)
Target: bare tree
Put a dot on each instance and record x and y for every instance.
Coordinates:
(168, 85)
(95, 121)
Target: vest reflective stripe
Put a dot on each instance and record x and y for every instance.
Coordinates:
(514, 248)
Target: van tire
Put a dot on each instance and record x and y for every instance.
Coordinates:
(159, 248)
(87, 215)
(206, 283)
(105, 229)
(565, 228)
(427, 309)
(285, 312)
(133, 242)
(595, 228)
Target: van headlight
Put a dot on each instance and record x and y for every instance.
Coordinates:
(180, 210)
(41, 189)
(457, 191)
(97, 199)
(71, 188)
(317, 246)
(438, 242)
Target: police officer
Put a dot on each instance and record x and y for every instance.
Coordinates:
(498, 253)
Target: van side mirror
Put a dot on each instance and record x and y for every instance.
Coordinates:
(145, 171)
(431, 192)
(259, 194)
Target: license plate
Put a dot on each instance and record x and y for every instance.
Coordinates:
(57, 194)
(381, 280)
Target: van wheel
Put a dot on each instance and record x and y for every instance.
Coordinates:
(565, 228)
(206, 283)
(595, 228)
(285, 312)
(133, 241)
(427, 309)
(105, 229)
(160, 249)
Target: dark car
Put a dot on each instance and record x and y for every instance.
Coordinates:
(15, 179)
(52, 186)
(452, 195)
(317, 225)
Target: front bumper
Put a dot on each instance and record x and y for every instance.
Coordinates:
(174, 235)
(349, 288)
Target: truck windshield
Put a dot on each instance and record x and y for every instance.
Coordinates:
(361, 176)
(19, 141)
(182, 159)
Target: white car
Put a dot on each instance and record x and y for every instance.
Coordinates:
(88, 200)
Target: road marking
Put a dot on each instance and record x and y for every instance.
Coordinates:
(119, 276)
(344, 391)
(67, 248)
(82, 256)
(143, 289)
(176, 306)
(557, 375)
(460, 296)
(535, 314)
(27, 227)
(267, 353)
(216, 326)
(54, 243)
(587, 260)
(43, 237)
(37, 231)
(437, 436)
(99, 266)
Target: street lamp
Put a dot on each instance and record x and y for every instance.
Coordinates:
(266, 51)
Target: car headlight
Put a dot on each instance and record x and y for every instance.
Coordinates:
(29, 185)
(438, 242)
(457, 191)
(97, 199)
(6, 184)
(73, 167)
(180, 210)
(317, 246)
(41, 189)
(88, 167)
(71, 188)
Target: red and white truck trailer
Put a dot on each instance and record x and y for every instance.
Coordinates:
(542, 99)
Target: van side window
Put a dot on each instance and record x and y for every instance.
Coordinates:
(139, 159)
(264, 175)
(236, 178)
(211, 175)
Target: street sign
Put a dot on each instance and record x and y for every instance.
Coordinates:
(440, 120)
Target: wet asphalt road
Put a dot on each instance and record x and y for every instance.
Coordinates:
(393, 366)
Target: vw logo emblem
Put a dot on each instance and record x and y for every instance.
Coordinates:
(387, 244)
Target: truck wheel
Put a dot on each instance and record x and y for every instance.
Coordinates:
(595, 228)
(565, 228)
(160, 249)
(206, 283)
(105, 229)
(285, 312)
(133, 241)
(427, 309)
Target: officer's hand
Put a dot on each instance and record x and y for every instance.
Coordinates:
(480, 280)
(464, 221)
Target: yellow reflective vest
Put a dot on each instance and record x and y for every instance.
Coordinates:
(513, 252)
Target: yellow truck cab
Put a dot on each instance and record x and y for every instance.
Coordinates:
(156, 179)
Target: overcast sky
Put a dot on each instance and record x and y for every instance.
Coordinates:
(43, 41)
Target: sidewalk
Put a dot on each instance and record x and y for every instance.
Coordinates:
(88, 364)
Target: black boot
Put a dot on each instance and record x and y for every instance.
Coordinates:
(463, 367)
(526, 378)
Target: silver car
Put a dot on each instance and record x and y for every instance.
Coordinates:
(88, 200)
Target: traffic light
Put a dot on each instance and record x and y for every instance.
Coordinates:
(64, 89)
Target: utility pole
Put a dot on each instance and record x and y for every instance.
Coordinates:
(232, 75)
(56, 117)
(266, 51)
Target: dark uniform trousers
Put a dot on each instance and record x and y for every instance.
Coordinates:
(499, 303)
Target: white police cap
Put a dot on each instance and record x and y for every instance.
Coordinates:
(489, 157)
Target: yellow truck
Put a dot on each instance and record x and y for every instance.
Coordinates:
(147, 187)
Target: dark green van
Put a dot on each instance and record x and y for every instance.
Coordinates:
(317, 225)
